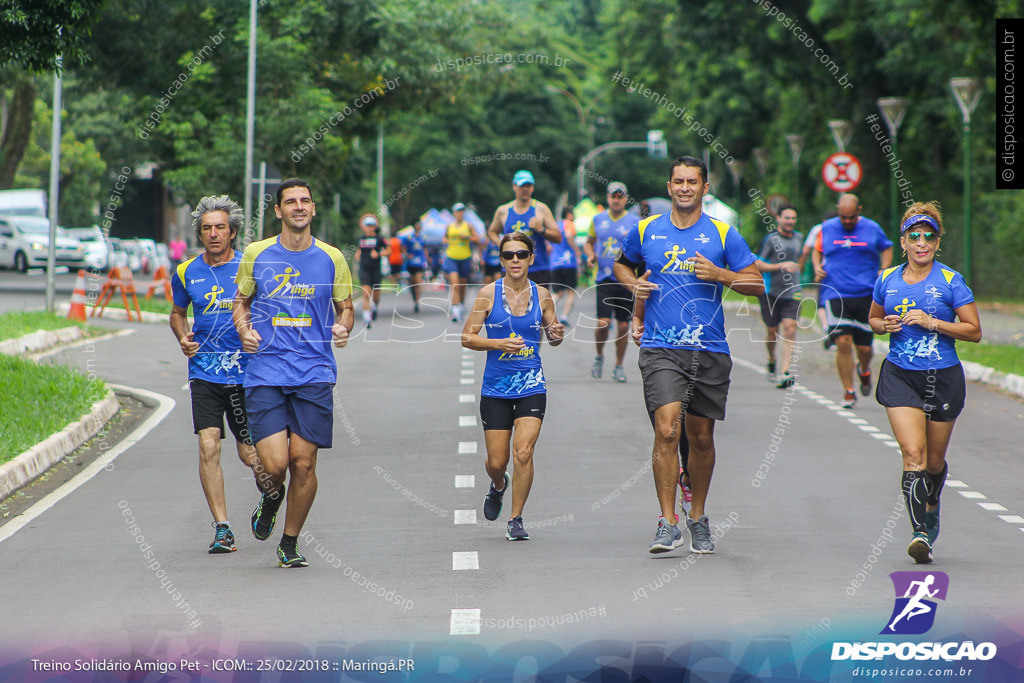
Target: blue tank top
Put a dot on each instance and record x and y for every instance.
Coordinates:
(491, 256)
(520, 374)
(562, 254)
(520, 222)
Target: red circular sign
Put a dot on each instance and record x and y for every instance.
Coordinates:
(841, 172)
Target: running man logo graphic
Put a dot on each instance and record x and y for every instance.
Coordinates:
(916, 593)
(904, 306)
(675, 263)
(610, 248)
(284, 279)
(518, 226)
(211, 296)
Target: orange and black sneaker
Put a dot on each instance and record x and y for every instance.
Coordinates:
(849, 399)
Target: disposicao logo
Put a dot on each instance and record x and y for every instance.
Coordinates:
(913, 613)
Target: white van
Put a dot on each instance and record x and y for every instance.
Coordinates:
(23, 203)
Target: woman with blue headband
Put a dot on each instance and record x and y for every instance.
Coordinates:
(924, 306)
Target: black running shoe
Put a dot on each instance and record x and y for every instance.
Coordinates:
(492, 502)
(865, 381)
(290, 557)
(265, 514)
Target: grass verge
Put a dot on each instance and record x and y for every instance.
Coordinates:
(1002, 357)
(40, 400)
(19, 323)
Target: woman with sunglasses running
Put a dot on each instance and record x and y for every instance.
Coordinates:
(513, 394)
(924, 306)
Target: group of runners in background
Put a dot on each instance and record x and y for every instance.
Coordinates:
(260, 353)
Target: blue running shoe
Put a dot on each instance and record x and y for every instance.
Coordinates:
(920, 549)
(290, 557)
(223, 540)
(668, 539)
(265, 514)
(931, 523)
(516, 532)
(492, 502)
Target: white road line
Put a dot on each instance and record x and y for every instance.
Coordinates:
(467, 372)
(894, 444)
(1012, 519)
(465, 380)
(465, 622)
(467, 447)
(972, 494)
(465, 560)
(465, 516)
(880, 436)
(165, 404)
(466, 398)
(992, 507)
(467, 420)
(956, 483)
(867, 428)
(857, 420)
(465, 481)
(467, 363)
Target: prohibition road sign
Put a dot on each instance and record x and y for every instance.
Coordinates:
(841, 172)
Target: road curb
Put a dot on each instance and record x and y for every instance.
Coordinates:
(40, 339)
(36, 460)
(111, 313)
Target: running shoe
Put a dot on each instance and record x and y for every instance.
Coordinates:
(223, 540)
(931, 523)
(415, 308)
(828, 342)
(290, 557)
(516, 532)
(492, 501)
(265, 514)
(920, 549)
(667, 539)
(565, 321)
(685, 494)
(700, 535)
(597, 368)
(786, 380)
(865, 381)
(849, 400)
(771, 371)
(373, 315)
(619, 374)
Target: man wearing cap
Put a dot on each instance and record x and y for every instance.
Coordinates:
(458, 262)
(857, 251)
(526, 213)
(604, 241)
(372, 248)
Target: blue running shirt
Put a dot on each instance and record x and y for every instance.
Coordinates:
(293, 311)
(416, 253)
(491, 255)
(562, 254)
(853, 257)
(520, 374)
(685, 312)
(939, 294)
(519, 222)
(609, 235)
(211, 291)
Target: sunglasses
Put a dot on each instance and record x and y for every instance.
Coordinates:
(521, 254)
(929, 236)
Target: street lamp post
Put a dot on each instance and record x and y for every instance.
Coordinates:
(967, 91)
(796, 145)
(841, 130)
(893, 110)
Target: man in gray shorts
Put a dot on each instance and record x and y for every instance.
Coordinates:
(684, 357)
(781, 257)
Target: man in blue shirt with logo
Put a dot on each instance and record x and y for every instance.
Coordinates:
(524, 213)
(216, 364)
(684, 357)
(856, 251)
(294, 298)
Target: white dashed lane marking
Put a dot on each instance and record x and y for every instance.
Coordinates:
(465, 516)
(465, 622)
(467, 420)
(465, 560)
(467, 447)
(466, 398)
(465, 481)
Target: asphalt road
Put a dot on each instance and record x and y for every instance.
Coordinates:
(803, 558)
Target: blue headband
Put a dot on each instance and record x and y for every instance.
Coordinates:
(919, 218)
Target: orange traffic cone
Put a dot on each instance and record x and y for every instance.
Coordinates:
(77, 310)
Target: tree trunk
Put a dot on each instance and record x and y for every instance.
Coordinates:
(18, 130)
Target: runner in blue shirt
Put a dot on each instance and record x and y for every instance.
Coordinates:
(294, 298)
(513, 395)
(524, 213)
(565, 261)
(491, 261)
(856, 250)
(924, 306)
(684, 357)
(216, 364)
(416, 262)
(604, 242)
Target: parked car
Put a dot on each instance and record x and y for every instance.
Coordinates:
(147, 251)
(118, 253)
(24, 241)
(131, 248)
(23, 203)
(97, 251)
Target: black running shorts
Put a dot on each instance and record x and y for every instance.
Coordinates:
(211, 402)
(939, 393)
(502, 413)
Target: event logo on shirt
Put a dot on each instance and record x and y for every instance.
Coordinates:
(213, 296)
(609, 247)
(518, 225)
(904, 306)
(289, 289)
(675, 262)
(934, 292)
(703, 239)
(848, 242)
(521, 354)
